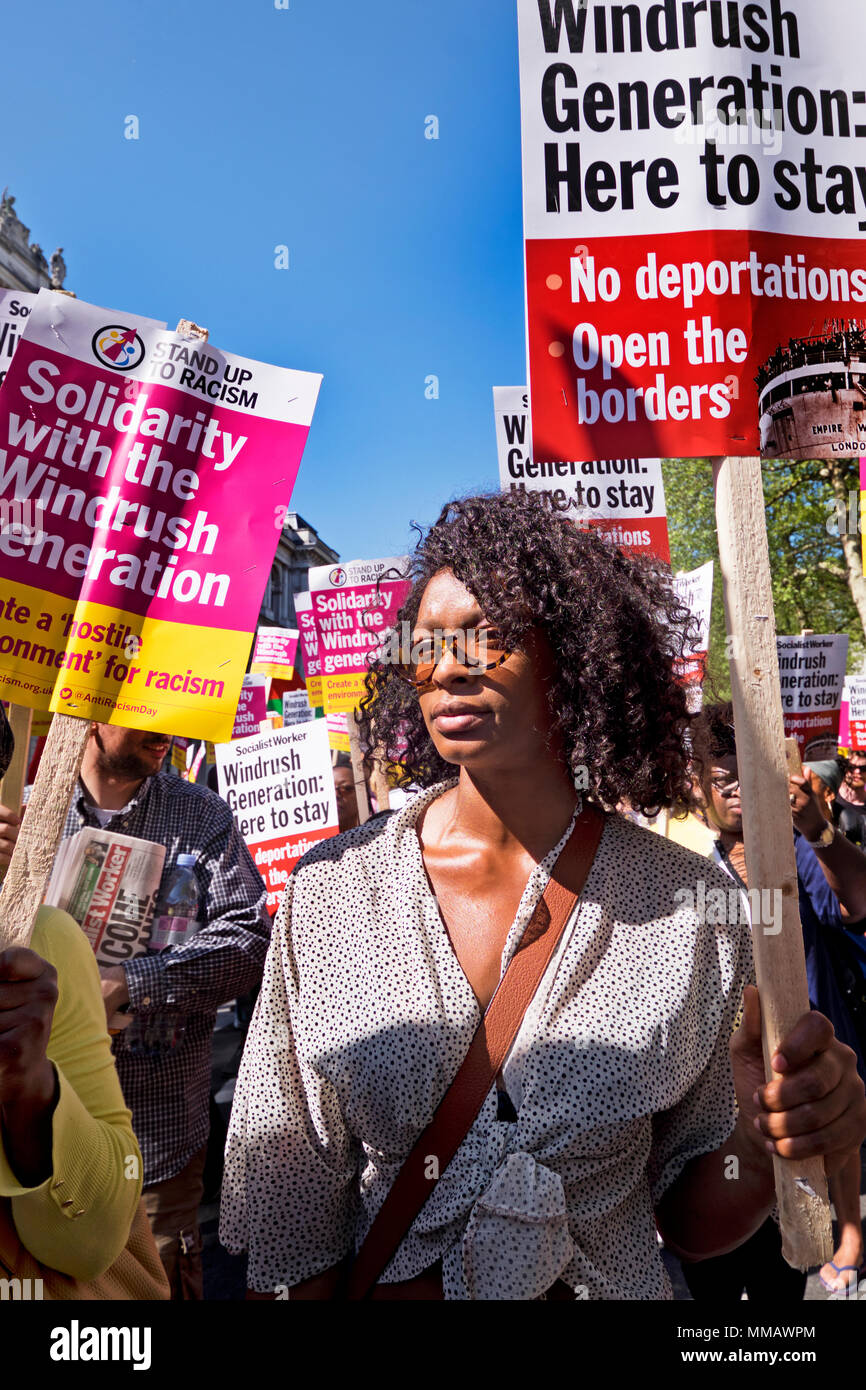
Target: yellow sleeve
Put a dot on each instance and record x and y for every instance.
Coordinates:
(78, 1220)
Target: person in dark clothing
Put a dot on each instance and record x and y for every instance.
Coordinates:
(849, 806)
(347, 797)
(831, 877)
(756, 1267)
(825, 779)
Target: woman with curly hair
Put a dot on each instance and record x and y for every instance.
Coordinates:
(536, 692)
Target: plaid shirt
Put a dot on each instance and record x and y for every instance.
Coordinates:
(169, 1097)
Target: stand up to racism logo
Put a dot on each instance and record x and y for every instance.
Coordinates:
(118, 347)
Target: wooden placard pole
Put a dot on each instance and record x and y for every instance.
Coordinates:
(381, 790)
(780, 966)
(378, 779)
(792, 753)
(42, 829)
(358, 769)
(12, 785)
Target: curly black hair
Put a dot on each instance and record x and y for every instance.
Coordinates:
(615, 626)
(712, 736)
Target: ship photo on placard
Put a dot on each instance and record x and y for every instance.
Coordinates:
(812, 395)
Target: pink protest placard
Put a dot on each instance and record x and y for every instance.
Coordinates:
(274, 653)
(353, 608)
(338, 731)
(309, 642)
(162, 468)
(252, 706)
(844, 725)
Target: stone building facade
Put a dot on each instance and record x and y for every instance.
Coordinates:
(299, 549)
(22, 263)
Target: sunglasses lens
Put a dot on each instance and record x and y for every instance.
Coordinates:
(485, 649)
(477, 651)
(421, 664)
(494, 656)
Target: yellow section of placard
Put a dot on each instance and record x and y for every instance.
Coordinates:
(344, 692)
(270, 668)
(341, 694)
(105, 664)
(338, 741)
(314, 692)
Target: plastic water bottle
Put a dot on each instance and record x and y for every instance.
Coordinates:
(176, 915)
(154, 1036)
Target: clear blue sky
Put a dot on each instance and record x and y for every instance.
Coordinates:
(302, 127)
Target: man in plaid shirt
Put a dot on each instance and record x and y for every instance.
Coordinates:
(173, 995)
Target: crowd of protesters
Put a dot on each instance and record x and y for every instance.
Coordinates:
(638, 1069)
(831, 879)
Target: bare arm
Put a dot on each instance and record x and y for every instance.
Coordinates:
(705, 1213)
(28, 1081)
(25, 1124)
(816, 1107)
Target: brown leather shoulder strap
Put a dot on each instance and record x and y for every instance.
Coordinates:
(462, 1102)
